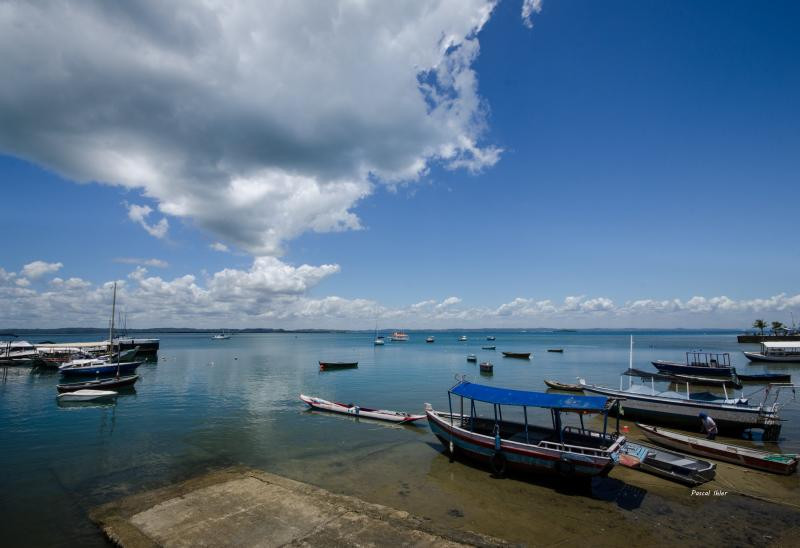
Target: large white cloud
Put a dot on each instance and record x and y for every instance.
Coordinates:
(37, 269)
(256, 120)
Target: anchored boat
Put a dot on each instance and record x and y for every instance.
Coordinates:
(355, 410)
(568, 451)
(704, 364)
(336, 365)
(520, 355)
(776, 351)
(564, 386)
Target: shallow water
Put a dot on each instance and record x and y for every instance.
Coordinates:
(206, 404)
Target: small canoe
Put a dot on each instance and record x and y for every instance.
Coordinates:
(486, 367)
(564, 386)
(776, 463)
(559, 350)
(520, 355)
(660, 462)
(488, 348)
(472, 358)
(86, 395)
(356, 411)
(336, 365)
(99, 384)
(765, 377)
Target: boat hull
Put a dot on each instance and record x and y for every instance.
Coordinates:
(324, 366)
(518, 355)
(742, 456)
(555, 385)
(123, 368)
(518, 456)
(99, 384)
(683, 369)
(759, 357)
(356, 411)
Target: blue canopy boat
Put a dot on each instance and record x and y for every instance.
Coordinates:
(568, 451)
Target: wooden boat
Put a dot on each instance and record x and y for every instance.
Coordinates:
(99, 384)
(765, 377)
(490, 338)
(520, 355)
(472, 358)
(776, 463)
(704, 364)
(732, 382)
(776, 351)
(488, 348)
(355, 410)
(86, 395)
(565, 451)
(734, 415)
(660, 462)
(336, 365)
(564, 386)
(559, 350)
(486, 367)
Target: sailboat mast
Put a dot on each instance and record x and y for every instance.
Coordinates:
(111, 329)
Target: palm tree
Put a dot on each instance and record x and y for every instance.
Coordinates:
(776, 326)
(760, 325)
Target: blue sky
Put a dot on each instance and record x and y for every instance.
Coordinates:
(649, 152)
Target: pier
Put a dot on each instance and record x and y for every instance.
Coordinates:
(244, 507)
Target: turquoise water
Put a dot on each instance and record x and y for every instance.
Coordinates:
(206, 404)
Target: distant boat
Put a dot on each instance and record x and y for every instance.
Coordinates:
(462, 338)
(488, 348)
(221, 336)
(520, 355)
(356, 411)
(564, 386)
(86, 395)
(98, 384)
(490, 338)
(669, 465)
(773, 351)
(336, 365)
(429, 339)
(765, 377)
(486, 367)
(559, 350)
(399, 336)
(472, 358)
(379, 341)
(776, 463)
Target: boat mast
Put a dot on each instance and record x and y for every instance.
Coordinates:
(630, 363)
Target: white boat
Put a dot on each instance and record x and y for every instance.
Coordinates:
(356, 411)
(776, 351)
(379, 340)
(430, 339)
(462, 338)
(18, 353)
(399, 336)
(86, 395)
(221, 336)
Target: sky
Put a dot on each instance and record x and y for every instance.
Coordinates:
(451, 163)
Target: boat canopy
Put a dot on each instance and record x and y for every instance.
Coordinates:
(507, 396)
(779, 345)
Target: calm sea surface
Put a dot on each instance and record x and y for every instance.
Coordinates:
(206, 404)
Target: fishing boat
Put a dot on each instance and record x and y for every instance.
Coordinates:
(490, 338)
(488, 348)
(776, 463)
(336, 365)
(86, 395)
(776, 351)
(430, 340)
(486, 367)
(558, 350)
(567, 451)
(355, 410)
(472, 358)
(765, 377)
(564, 386)
(666, 464)
(19, 353)
(462, 338)
(221, 336)
(520, 355)
(704, 364)
(399, 336)
(99, 384)
(732, 382)
(732, 415)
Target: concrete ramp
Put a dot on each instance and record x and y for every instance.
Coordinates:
(242, 507)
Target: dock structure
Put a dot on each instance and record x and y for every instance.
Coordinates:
(244, 507)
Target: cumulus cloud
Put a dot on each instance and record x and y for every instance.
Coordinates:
(139, 214)
(256, 120)
(157, 263)
(37, 269)
(529, 7)
(219, 246)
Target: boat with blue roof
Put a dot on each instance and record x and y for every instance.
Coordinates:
(510, 444)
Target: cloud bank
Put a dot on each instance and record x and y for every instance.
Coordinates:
(272, 293)
(256, 120)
